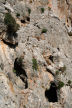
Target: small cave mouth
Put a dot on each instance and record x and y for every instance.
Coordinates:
(28, 19)
(58, 49)
(10, 44)
(51, 58)
(51, 94)
(20, 72)
(23, 21)
(48, 70)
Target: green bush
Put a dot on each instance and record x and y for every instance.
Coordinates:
(57, 72)
(34, 64)
(42, 10)
(17, 15)
(60, 84)
(29, 10)
(69, 82)
(49, 8)
(63, 68)
(44, 30)
(10, 22)
(14, 70)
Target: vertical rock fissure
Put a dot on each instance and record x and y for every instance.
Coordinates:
(20, 72)
(51, 94)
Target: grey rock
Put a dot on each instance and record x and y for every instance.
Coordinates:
(32, 43)
(8, 98)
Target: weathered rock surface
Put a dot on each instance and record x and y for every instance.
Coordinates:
(7, 96)
(21, 86)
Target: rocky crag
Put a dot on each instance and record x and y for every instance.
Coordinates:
(36, 61)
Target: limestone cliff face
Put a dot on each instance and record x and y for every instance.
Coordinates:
(36, 61)
(63, 10)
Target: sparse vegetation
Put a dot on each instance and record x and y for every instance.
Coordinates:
(29, 10)
(60, 84)
(69, 82)
(49, 8)
(34, 64)
(44, 30)
(63, 68)
(17, 15)
(42, 10)
(14, 70)
(11, 24)
(57, 72)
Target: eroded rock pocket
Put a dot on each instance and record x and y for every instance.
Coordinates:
(51, 94)
(26, 20)
(20, 72)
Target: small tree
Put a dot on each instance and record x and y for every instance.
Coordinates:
(44, 30)
(69, 82)
(10, 22)
(17, 15)
(60, 84)
(42, 10)
(29, 10)
(57, 72)
(34, 64)
(63, 68)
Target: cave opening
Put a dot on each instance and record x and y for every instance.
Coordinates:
(11, 45)
(51, 58)
(28, 19)
(23, 21)
(51, 94)
(20, 72)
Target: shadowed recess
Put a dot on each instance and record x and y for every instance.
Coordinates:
(20, 72)
(51, 94)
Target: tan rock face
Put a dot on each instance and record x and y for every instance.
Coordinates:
(7, 94)
(63, 9)
(24, 83)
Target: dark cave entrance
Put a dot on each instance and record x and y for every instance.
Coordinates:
(10, 44)
(51, 94)
(23, 21)
(28, 19)
(51, 58)
(20, 72)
